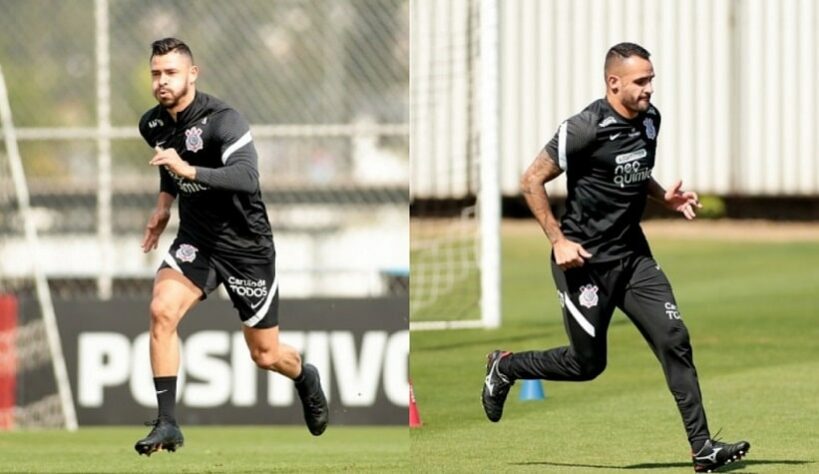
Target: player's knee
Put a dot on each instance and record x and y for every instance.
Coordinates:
(591, 368)
(164, 316)
(265, 358)
(677, 342)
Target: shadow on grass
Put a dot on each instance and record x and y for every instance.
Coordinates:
(667, 465)
(486, 339)
(482, 337)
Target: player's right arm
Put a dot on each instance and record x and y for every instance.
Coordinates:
(563, 150)
(567, 254)
(158, 221)
(167, 192)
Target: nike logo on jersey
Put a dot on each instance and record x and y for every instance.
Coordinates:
(161, 392)
(614, 137)
(254, 306)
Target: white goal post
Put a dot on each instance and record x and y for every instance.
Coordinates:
(455, 277)
(489, 193)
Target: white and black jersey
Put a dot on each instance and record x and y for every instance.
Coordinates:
(222, 210)
(608, 161)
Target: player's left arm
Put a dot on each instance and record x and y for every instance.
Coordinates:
(675, 198)
(240, 172)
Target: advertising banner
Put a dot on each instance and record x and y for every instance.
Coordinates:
(360, 346)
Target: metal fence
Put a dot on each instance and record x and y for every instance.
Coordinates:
(323, 83)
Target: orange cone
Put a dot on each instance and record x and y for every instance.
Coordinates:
(414, 416)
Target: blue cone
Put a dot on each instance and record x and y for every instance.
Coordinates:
(531, 390)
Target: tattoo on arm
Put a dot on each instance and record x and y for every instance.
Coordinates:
(542, 170)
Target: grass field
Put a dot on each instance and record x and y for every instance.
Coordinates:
(210, 450)
(752, 309)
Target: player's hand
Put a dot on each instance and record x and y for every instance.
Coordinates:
(682, 201)
(569, 254)
(156, 224)
(171, 160)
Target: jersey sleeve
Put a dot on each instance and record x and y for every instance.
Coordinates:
(166, 182)
(239, 171)
(572, 137)
(658, 118)
(143, 128)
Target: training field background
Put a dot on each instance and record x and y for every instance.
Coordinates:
(749, 294)
(227, 449)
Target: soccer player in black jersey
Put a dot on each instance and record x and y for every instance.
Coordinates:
(600, 257)
(205, 155)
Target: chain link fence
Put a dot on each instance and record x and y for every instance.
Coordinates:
(323, 83)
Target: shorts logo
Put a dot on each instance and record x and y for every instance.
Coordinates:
(560, 298)
(186, 253)
(672, 312)
(588, 296)
(651, 132)
(252, 288)
(193, 139)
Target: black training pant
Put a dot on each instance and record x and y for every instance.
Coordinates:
(589, 295)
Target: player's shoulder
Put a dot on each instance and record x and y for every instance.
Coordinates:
(583, 126)
(593, 116)
(599, 114)
(215, 107)
(226, 118)
(653, 111)
(151, 121)
(210, 103)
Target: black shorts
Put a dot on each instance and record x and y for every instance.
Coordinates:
(252, 285)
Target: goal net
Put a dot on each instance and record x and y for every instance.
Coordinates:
(455, 208)
(30, 351)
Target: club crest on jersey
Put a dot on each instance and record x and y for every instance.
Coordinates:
(186, 253)
(588, 296)
(193, 139)
(651, 132)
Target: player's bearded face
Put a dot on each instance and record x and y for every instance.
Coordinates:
(169, 94)
(635, 84)
(172, 76)
(637, 98)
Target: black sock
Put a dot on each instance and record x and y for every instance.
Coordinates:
(166, 396)
(300, 378)
(697, 444)
(503, 366)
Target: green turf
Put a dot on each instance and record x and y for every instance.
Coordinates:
(210, 449)
(753, 313)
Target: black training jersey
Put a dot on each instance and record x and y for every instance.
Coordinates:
(222, 210)
(608, 160)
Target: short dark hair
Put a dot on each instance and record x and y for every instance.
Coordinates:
(622, 51)
(169, 45)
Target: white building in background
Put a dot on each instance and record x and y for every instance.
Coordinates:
(736, 85)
